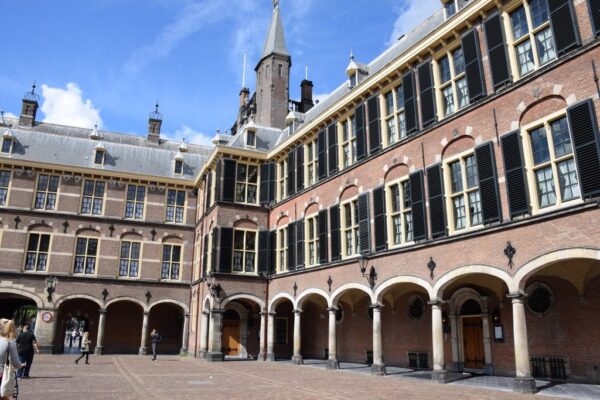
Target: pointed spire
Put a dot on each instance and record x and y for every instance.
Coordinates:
(275, 42)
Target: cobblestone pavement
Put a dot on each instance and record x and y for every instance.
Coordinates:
(182, 378)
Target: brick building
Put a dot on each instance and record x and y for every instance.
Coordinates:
(438, 210)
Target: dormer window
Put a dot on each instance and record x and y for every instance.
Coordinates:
(7, 145)
(353, 79)
(99, 158)
(179, 167)
(450, 8)
(250, 138)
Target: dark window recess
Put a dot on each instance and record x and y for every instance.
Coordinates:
(263, 252)
(323, 231)
(334, 220)
(291, 181)
(207, 191)
(516, 179)
(361, 134)
(374, 129)
(178, 167)
(427, 94)
(497, 52)
(218, 181)
(333, 149)
(488, 183)
(322, 154)
(272, 251)
(299, 244)
(594, 8)
(410, 103)
(418, 360)
(380, 218)
(228, 180)
(99, 159)
(437, 209)
(584, 129)
(215, 249)
(364, 223)
(225, 249)
(205, 256)
(299, 168)
(548, 368)
(291, 246)
(267, 183)
(417, 200)
(473, 67)
(564, 25)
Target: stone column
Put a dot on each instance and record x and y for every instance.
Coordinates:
(332, 361)
(262, 355)
(203, 334)
(439, 374)
(215, 336)
(100, 338)
(271, 337)
(378, 367)
(45, 326)
(297, 358)
(143, 349)
(487, 345)
(455, 364)
(185, 338)
(523, 381)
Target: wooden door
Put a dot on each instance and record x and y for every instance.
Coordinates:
(231, 338)
(472, 330)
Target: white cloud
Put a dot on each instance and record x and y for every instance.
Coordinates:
(8, 114)
(412, 14)
(67, 107)
(190, 135)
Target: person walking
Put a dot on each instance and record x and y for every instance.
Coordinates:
(26, 344)
(8, 355)
(72, 337)
(85, 348)
(155, 338)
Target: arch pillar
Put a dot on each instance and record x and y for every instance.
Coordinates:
(439, 373)
(271, 337)
(215, 334)
(297, 358)
(262, 355)
(100, 336)
(203, 334)
(332, 362)
(143, 348)
(378, 367)
(44, 331)
(455, 365)
(185, 333)
(523, 381)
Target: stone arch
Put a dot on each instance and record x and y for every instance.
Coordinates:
(451, 276)
(348, 192)
(127, 298)
(131, 235)
(243, 313)
(39, 302)
(245, 223)
(541, 108)
(278, 298)
(459, 297)
(41, 226)
(311, 208)
(335, 296)
(208, 301)
(183, 306)
(534, 265)
(389, 283)
(243, 296)
(87, 231)
(63, 299)
(458, 145)
(396, 171)
(172, 239)
(305, 294)
(282, 220)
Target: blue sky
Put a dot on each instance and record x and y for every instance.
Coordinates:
(108, 61)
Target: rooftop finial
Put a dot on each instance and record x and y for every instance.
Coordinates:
(275, 3)
(351, 54)
(32, 95)
(156, 114)
(306, 72)
(33, 88)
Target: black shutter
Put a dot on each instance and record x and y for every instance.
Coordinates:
(322, 154)
(207, 190)
(437, 204)
(300, 244)
(299, 168)
(473, 67)
(272, 251)
(564, 25)
(291, 246)
(228, 180)
(374, 128)
(417, 200)
(497, 53)
(272, 181)
(361, 135)
(215, 249)
(514, 169)
(333, 148)
(225, 249)
(291, 171)
(263, 253)
(265, 172)
(364, 223)
(427, 92)
(218, 180)
(380, 218)
(205, 257)
(334, 220)
(584, 129)
(410, 103)
(488, 183)
(323, 231)
(594, 8)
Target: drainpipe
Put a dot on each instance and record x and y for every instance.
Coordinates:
(266, 317)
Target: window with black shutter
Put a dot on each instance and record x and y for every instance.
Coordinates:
(374, 127)
(497, 53)
(300, 244)
(291, 175)
(323, 242)
(364, 223)
(263, 252)
(265, 179)
(437, 209)
(463, 193)
(272, 180)
(379, 218)
(291, 231)
(225, 249)
(473, 67)
(282, 248)
(584, 129)
(360, 132)
(564, 25)
(399, 213)
(272, 251)
(488, 183)
(229, 168)
(299, 168)
(417, 199)
(214, 251)
(218, 180)
(333, 148)
(427, 94)
(594, 9)
(322, 154)
(514, 169)
(207, 191)
(311, 165)
(205, 256)
(410, 103)
(334, 220)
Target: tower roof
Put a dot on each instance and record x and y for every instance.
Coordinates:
(275, 43)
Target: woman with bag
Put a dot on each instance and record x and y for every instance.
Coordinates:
(85, 348)
(10, 359)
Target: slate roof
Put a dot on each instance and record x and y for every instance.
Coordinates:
(72, 147)
(275, 42)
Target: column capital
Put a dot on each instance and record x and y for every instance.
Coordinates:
(298, 311)
(517, 297)
(146, 313)
(187, 315)
(376, 306)
(437, 303)
(102, 311)
(332, 309)
(263, 313)
(205, 312)
(217, 311)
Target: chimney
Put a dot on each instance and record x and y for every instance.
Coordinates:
(306, 94)
(154, 124)
(29, 108)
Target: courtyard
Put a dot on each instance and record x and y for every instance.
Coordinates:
(173, 377)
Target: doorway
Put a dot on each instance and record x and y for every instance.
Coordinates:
(472, 329)
(231, 333)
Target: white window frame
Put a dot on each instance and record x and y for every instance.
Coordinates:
(403, 213)
(347, 140)
(93, 197)
(169, 264)
(311, 163)
(282, 249)
(129, 260)
(244, 251)
(311, 243)
(135, 202)
(37, 254)
(247, 183)
(175, 208)
(86, 256)
(452, 84)
(353, 229)
(282, 179)
(46, 193)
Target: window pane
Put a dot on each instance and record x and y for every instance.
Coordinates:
(166, 252)
(539, 12)
(237, 260)
(408, 225)
(6, 143)
(125, 246)
(99, 189)
(176, 255)
(448, 100)
(459, 61)
(456, 177)
(462, 93)
(399, 98)
(450, 9)
(475, 208)
(135, 251)
(561, 137)
(40, 200)
(460, 219)
(241, 172)
(171, 194)
(133, 268)
(567, 176)
(92, 247)
(471, 167)
(131, 189)
(444, 64)
(539, 143)
(50, 201)
(395, 189)
(81, 244)
(252, 193)
(88, 188)
(250, 262)
(53, 184)
(250, 240)
(238, 240)
(252, 174)
(33, 242)
(389, 103)
(545, 183)
(30, 261)
(42, 182)
(240, 192)
(397, 229)
(525, 56)
(406, 192)
(123, 268)
(519, 23)
(141, 193)
(545, 46)
(391, 129)
(180, 198)
(402, 125)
